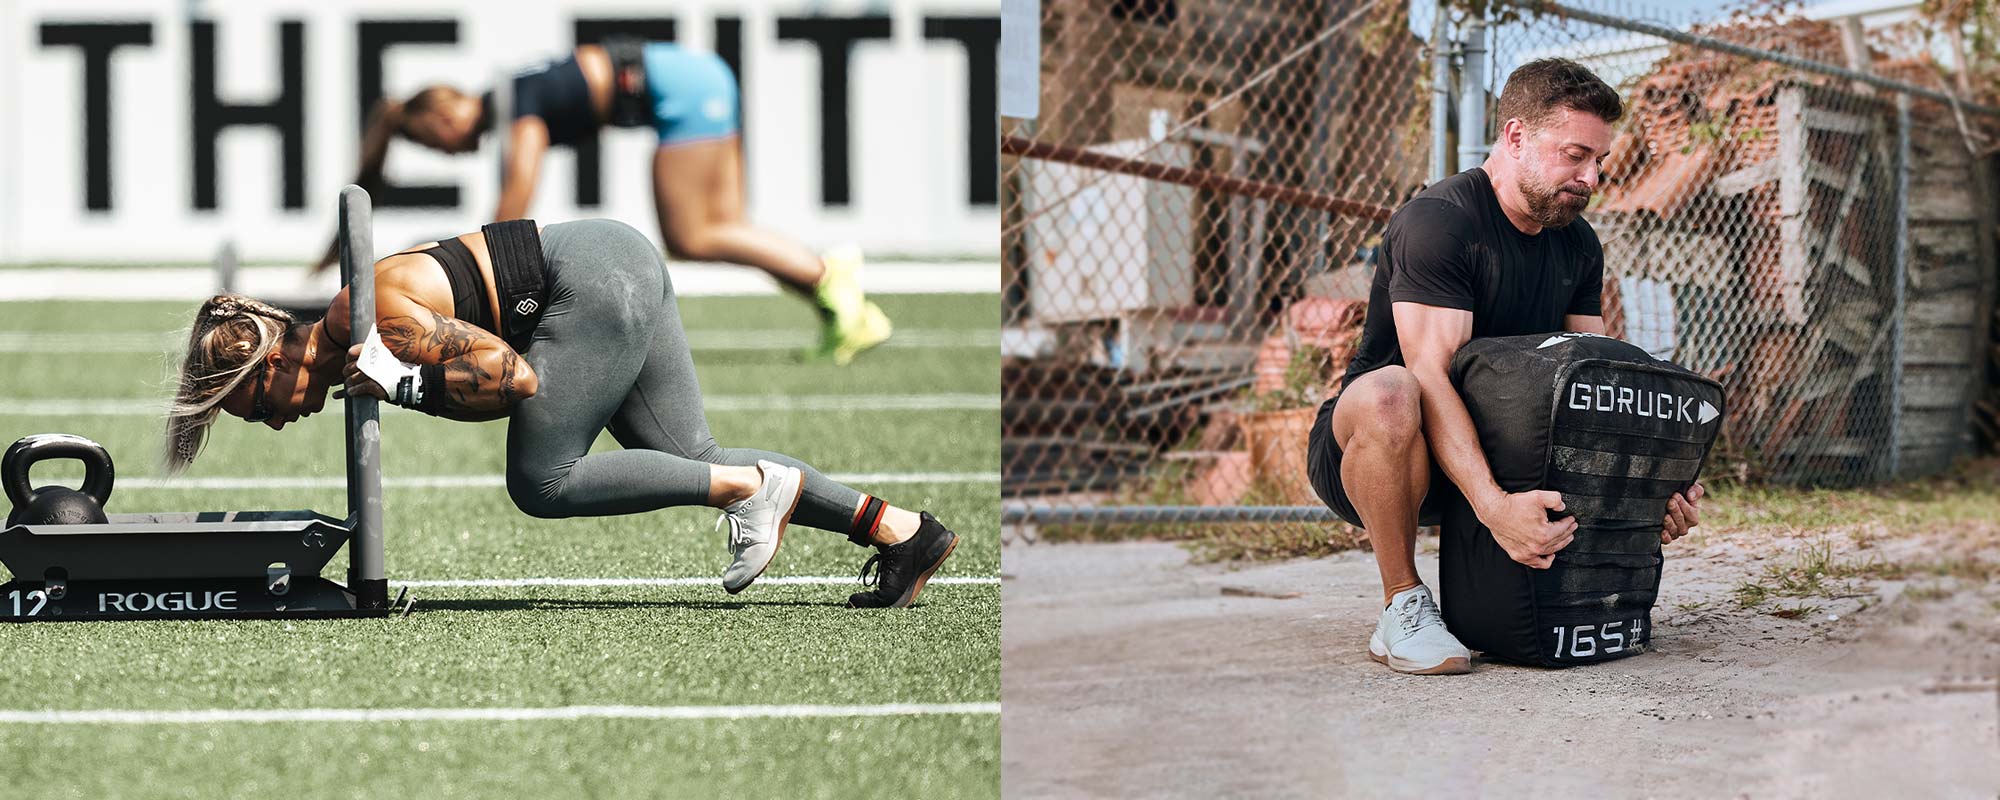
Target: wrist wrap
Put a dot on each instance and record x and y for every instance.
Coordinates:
(432, 378)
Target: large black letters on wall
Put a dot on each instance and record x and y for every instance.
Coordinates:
(835, 38)
(287, 113)
(981, 38)
(97, 40)
(729, 47)
(372, 40)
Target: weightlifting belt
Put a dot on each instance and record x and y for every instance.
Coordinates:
(630, 105)
(516, 250)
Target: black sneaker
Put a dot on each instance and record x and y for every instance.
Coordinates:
(905, 566)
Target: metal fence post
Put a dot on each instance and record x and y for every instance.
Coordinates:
(1902, 259)
(1441, 48)
(1472, 96)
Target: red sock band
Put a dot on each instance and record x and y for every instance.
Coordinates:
(865, 520)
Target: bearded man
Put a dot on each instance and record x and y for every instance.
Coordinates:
(1497, 250)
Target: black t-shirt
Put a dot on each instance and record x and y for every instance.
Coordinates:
(1451, 246)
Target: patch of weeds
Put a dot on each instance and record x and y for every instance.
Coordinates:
(1805, 574)
(1966, 569)
(1927, 592)
(1751, 595)
(1972, 570)
(1812, 571)
(1794, 611)
(1099, 532)
(1970, 492)
(1265, 490)
(1871, 567)
(1215, 542)
(1863, 537)
(1272, 541)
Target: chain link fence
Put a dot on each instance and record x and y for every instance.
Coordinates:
(1797, 207)
(1778, 216)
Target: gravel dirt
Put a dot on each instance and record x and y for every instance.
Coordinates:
(1131, 672)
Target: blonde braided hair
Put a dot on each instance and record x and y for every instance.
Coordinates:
(232, 335)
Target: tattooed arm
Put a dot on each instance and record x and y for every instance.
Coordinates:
(483, 377)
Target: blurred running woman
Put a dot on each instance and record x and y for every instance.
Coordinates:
(690, 99)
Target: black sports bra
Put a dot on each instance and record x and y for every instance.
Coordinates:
(468, 289)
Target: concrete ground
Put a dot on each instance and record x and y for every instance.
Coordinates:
(1130, 672)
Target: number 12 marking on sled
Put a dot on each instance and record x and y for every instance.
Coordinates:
(40, 597)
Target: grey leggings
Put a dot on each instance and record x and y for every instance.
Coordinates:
(610, 353)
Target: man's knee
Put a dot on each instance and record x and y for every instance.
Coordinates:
(1390, 404)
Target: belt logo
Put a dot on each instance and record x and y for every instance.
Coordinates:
(1626, 400)
(526, 307)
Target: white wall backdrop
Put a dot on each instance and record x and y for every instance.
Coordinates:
(910, 190)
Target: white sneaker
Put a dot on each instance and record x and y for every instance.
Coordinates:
(757, 524)
(1412, 638)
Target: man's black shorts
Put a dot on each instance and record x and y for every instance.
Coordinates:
(1323, 469)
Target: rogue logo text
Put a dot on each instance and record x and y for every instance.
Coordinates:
(166, 601)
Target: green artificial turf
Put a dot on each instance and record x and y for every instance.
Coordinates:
(930, 757)
(536, 646)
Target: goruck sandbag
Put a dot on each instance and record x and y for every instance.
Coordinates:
(1618, 433)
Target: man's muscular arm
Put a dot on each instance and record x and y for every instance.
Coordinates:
(1430, 336)
(1582, 323)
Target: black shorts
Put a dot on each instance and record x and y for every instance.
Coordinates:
(1323, 469)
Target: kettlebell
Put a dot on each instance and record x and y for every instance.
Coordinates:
(56, 505)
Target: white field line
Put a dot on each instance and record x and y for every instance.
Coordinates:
(718, 339)
(793, 339)
(86, 407)
(793, 580)
(690, 280)
(500, 481)
(554, 713)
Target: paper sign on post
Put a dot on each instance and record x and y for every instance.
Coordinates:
(1020, 58)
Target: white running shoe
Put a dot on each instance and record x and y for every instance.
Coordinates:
(757, 524)
(1412, 638)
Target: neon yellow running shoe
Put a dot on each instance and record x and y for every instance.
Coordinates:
(870, 328)
(849, 323)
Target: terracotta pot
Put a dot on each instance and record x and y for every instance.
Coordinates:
(1277, 442)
